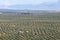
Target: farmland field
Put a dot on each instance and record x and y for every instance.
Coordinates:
(45, 26)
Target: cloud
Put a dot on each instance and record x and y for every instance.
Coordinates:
(12, 2)
(7, 3)
(37, 6)
(35, 1)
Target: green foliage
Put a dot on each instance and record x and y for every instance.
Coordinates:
(27, 27)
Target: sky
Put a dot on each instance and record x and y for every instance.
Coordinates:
(30, 4)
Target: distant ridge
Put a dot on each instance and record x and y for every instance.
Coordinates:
(25, 11)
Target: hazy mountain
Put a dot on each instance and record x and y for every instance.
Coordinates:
(25, 11)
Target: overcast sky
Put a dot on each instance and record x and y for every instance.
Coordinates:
(30, 4)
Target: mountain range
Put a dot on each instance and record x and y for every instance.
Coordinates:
(26, 11)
